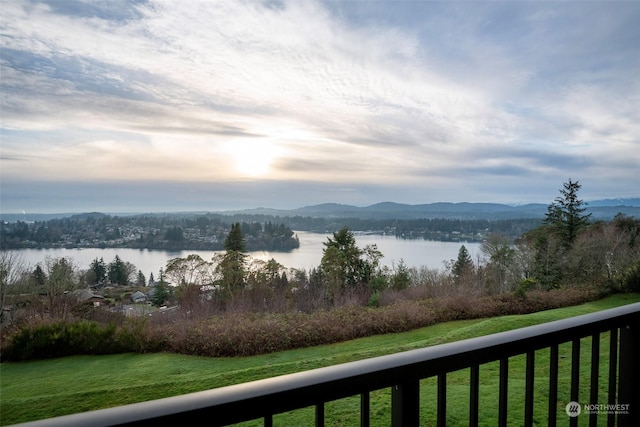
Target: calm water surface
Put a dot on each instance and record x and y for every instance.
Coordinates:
(415, 253)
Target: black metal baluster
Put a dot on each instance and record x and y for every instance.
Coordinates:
(474, 392)
(575, 377)
(528, 393)
(504, 381)
(320, 415)
(553, 385)
(405, 404)
(629, 375)
(365, 406)
(268, 420)
(442, 400)
(613, 374)
(595, 372)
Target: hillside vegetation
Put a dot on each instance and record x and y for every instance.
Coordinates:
(43, 389)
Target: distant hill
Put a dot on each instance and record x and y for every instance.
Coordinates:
(599, 209)
(615, 202)
(390, 210)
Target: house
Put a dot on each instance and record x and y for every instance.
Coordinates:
(86, 296)
(138, 297)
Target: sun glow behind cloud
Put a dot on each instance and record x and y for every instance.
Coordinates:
(253, 157)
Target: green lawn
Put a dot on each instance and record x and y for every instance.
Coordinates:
(43, 389)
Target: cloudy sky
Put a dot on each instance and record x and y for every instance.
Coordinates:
(125, 106)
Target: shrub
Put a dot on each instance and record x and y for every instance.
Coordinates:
(374, 299)
(630, 279)
(525, 286)
(50, 339)
(57, 339)
(245, 334)
(135, 335)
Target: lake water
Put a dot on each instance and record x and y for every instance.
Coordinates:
(415, 253)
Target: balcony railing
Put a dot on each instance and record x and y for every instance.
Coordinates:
(402, 372)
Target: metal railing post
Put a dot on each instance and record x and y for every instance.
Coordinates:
(502, 392)
(613, 374)
(553, 385)
(320, 415)
(528, 394)
(474, 393)
(575, 377)
(405, 404)
(629, 375)
(365, 409)
(442, 400)
(595, 371)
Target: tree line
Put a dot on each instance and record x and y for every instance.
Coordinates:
(166, 232)
(566, 249)
(208, 231)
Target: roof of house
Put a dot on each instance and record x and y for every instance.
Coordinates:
(86, 295)
(137, 295)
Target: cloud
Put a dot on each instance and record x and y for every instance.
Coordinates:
(353, 94)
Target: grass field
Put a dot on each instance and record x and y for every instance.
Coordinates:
(43, 389)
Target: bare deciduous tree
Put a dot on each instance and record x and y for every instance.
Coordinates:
(12, 267)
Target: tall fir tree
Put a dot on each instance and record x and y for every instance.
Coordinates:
(140, 279)
(117, 272)
(232, 265)
(235, 239)
(346, 266)
(566, 214)
(98, 270)
(463, 264)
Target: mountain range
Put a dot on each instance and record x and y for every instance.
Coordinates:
(599, 209)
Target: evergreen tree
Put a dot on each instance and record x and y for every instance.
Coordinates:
(141, 280)
(344, 265)
(39, 276)
(463, 264)
(232, 265)
(98, 270)
(117, 273)
(548, 260)
(235, 239)
(566, 214)
(161, 293)
(401, 278)
(272, 270)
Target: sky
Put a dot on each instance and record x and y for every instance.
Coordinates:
(140, 106)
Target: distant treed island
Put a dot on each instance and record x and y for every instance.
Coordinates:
(162, 232)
